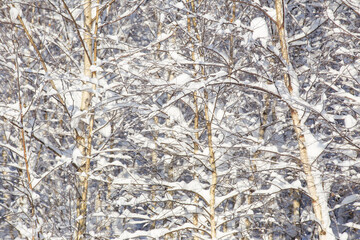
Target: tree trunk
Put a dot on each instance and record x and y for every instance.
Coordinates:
(84, 140)
(306, 165)
(213, 168)
(196, 148)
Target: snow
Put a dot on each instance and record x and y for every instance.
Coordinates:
(342, 50)
(193, 186)
(75, 119)
(260, 30)
(354, 3)
(278, 184)
(155, 233)
(346, 95)
(179, 58)
(175, 115)
(347, 200)
(113, 37)
(270, 11)
(321, 105)
(306, 31)
(95, 68)
(343, 236)
(93, 10)
(219, 200)
(349, 121)
(12, 149)
(61, 161)
(164, 36)
(24, 230)
(105, 130)
(314, 146)
(208, 17)
(14, 13)
(323, 189)
(134, 87)
(330, 13)
(221, 74)
(182, 79)
(12, 111)
(77, 12)
(77, 157)
(179, 5)
(352, 225)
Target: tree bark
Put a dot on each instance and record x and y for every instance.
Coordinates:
(213, 169)
(306, 165)
(84, 140)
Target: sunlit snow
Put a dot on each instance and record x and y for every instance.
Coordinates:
(14, 13)
(349, 121)
(260, 30)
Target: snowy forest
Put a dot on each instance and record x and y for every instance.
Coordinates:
(180, 119)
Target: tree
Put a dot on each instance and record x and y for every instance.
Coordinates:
(179, 119)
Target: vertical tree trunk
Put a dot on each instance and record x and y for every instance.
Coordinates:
(230, 69)
(213, 168)
(196, 149)
(296, 212)
(306, 165)
(208, 128)
(84, 141)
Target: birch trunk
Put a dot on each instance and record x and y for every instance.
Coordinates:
(306, 165)
(196, 148)
(213, 168)
(192, 22)
(85, 137)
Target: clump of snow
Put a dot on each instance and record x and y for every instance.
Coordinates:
(175, 115)
(180, 5)
(77, 157)
(208, 17)
(270, 11)
(349, 121)
(260, 30)
(179, 58)
(14, 13)
(182, 79)
(343, 236)
(95, 68)
(106, 130)
(77, 12)
(314, 146)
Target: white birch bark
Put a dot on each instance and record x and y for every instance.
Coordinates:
(84, 141)
(314, 186)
